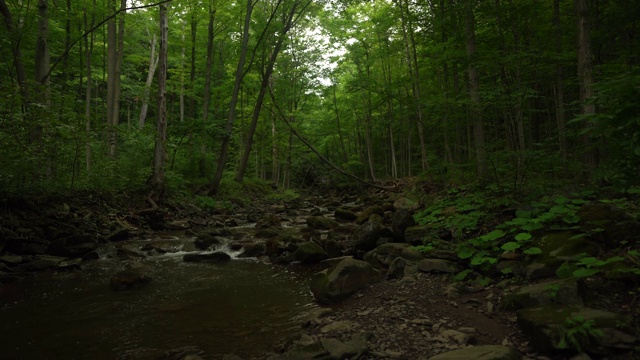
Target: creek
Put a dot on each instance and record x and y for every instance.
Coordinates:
(244, 307)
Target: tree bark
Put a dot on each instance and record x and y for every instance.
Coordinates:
(585, 75)
(559, 88)
(88, 44)
(153, 65)
(222, 158)
(160, 152)
(288, 23)
(474, 94)
(21, 75)
(115, 48)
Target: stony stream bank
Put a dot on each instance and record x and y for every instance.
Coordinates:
(375, 295)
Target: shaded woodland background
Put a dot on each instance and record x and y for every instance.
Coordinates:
(515, 93)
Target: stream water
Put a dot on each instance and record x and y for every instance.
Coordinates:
(243, 307)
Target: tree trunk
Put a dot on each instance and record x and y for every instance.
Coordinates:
(244, 160)
(88, 44)
(115, 48)
(160, 152)
(559, 88)
(585, 74)
(474, 94)
(153, 65)
(222, 158)
(21, 74)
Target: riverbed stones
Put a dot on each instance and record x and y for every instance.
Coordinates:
(439, 266)
(400, 221)
(342, 280)
(382, 256)
(309, 252)
(482, 352)
(367, 235)
(217, 257)
(342, 214)
(366, 214)
(73, 246)
(321, 223)
(206, 241)
(254, 249)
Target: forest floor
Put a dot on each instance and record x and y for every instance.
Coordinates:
(413, 318)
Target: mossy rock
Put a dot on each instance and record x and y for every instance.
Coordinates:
(554, 327)
(614, 224)
(564, 292)
(366, 213)
(558, 248)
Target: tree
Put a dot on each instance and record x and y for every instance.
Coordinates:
(160, 152)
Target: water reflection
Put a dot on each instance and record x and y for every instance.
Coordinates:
(243, 307)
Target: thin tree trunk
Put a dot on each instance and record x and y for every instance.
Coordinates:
(153, 65)
(222, 159)
(244, 160)
(183, 55)
(160, 152)
(474, 94)
(21, 75)
(585, 74)
(88, 44)
(274, 153)
(559, 89)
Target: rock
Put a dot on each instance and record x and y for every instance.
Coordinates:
(206, 241)
(119, 234)
(422, 234)
(382, 256)
(366, 235)
(333, 248)
(266, 234)
(73, 246)
(341, 326)
(455, 336)
(439, 265)
(129, 279)
(401, 268)
(352, 349)
(11, 259)
(344, 214)
(231, 357)
(255, 249)
(366, 213)
(561, 292)
(556, 249)
(40, 263)
(617, 225)
(321, 223)
(483, 352)
(217, 257)
(400, 221)
(309, 253)
(128, 254)
(178, 224)
(405, 204)
(313, 318)
(342, 280)
(269, 222)
(554, 327)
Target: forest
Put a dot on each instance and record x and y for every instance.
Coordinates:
(193, 94)
(197, 179)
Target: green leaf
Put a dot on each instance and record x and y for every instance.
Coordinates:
(523, 237)
(588, 261)
(561, 200)
(510, 246)
(523, 214)
(533, 251)
(571, 219)
(559, 209)
(462, 275)
(466, 252)
(566, 270)
(584, 272)
(578, 236)
(494, 235)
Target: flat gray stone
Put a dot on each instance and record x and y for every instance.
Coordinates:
(483, 352)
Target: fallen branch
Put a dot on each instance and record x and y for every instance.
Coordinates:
(320, 156)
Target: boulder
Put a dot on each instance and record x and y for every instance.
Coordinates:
(217, 257)
(401, 268)
(342, 280)
(366, 235)
(254, 249)
(366, 213)
(73, 246)
(333, 248)
(439, 266)
(423, 234)
(206, 241)
(269, 222)
(266, 234)
(557, 248)
(561, 292)
(400, 221)
(382, 256)
(309, 253)
(616, 224)
(119, 234)
(129, 279)
(556, 327)
(482, 352)
(344, 214)
(321, 223)
(405, 204)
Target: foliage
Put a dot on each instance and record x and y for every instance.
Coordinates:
(577, 331)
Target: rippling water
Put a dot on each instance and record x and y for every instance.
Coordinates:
(243, 307)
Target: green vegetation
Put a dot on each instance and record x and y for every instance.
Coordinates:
(576, 332)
